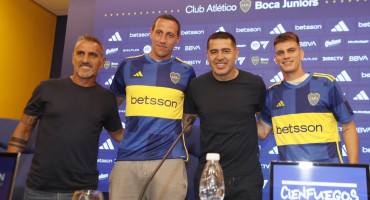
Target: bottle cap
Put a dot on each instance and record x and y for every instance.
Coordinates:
(213, 156)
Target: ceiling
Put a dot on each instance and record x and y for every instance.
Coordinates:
(57, 7)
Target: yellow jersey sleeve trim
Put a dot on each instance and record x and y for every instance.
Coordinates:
(278, 83)
(183, 61)
(136, 56)
(328, 76)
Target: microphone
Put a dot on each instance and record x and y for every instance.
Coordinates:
(190, 121)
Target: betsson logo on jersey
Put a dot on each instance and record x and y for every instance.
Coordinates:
(259, 5)
(299, 129)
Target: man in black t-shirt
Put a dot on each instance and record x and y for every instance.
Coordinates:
(226, 101)
(71, 113)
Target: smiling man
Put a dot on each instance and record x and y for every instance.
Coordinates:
(304, 109)
(71, 113)
(226, 101)
(153, 86)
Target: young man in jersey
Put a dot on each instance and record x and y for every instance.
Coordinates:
(226, 101)
(71, 113)
(153, 86)
(303, 110)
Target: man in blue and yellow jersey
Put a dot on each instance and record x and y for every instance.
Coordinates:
(153, 86)
(304, 109)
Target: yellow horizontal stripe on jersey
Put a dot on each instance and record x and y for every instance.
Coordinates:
(151, 101)
(305, 128)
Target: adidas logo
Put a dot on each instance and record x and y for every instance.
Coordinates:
(277, 78)
(280, 104)
(264, 183)
(274, 151)
(139, 74)
(107, 145)
(340, 27)
(361, 96)
(343, 77)
(241, 60)
(221, 29)
(344, 150)
(279, 29)
(115, 37)
(109, 81)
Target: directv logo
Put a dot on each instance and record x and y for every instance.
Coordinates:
(362, 96)
(279, 29)
(109, 82)
(340, 27)
(343, 77)
(116, 37)
(221, 29)
(277, 78)
(107, 145)
(274, 151)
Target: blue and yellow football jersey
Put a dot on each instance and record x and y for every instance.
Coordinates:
(305, 118)
(154, 93)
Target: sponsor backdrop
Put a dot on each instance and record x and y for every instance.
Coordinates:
(335, 36)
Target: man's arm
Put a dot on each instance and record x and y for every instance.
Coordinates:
(22, 133)
(185, 120)
(120, 100)
(117, 135)
(351, 141)
(263, 129)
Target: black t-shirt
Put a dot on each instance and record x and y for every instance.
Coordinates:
(71, 120)
(226, 110)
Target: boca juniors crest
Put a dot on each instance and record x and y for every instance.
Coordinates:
(245, 5)
(313, 98)
(175, 77)
(255, 60)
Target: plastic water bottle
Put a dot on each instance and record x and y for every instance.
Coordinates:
(212, 186)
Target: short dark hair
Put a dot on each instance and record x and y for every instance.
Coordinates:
(168, 17)
(285, 37)
(221, 35)
(91, 38)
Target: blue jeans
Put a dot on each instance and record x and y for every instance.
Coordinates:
(30, 194)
